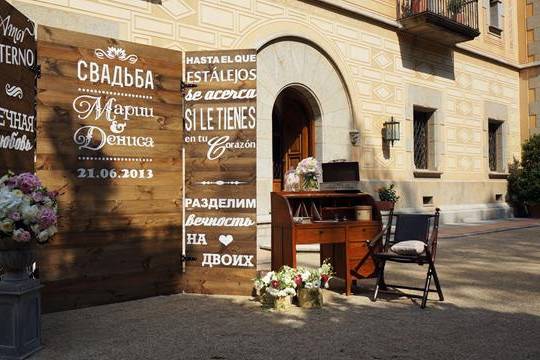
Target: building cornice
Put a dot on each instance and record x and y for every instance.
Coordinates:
(381, 20)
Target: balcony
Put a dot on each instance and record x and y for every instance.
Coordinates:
(444, 21)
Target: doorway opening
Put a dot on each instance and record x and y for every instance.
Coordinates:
(293, 131)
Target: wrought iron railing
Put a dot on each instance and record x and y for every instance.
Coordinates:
(464, 12)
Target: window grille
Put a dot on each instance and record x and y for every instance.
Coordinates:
(492, 143)
(421, 139)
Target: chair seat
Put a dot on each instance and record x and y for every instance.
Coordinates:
(392, 256)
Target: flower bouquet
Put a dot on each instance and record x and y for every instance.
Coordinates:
(292, 181)
(309, 283)
(277, 288)
(310, 171)
(28, 212)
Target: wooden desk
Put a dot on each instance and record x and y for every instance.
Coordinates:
(343, 242)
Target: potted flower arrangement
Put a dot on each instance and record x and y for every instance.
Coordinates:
(28, 216)
(28, 213)
(309, 283)
(277, 288)
(388, 196)
(310, 171)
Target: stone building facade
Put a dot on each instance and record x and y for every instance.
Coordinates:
(529, 58)
(352, 67)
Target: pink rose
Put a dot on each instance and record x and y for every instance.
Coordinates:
(21, 236)
(27, 182)
(275, 284)
(37, 196)
(298, 280)
(47, 218)
(324, 279)
(15, 216)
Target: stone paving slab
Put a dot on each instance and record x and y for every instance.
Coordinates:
(492, 311)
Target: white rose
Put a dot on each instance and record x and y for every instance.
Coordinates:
(43, 236)
(52, 230)
(35, 228)
(6, 226)
(29, 213)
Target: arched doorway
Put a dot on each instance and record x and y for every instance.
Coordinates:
(293, 131)
(299, 64)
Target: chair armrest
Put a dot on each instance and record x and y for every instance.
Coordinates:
(377, 239)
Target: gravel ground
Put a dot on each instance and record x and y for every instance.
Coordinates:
(492, 311)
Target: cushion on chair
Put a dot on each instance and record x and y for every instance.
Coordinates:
(409, 247)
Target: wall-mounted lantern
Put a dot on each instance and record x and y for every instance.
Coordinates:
(391, 131)
(355, 137)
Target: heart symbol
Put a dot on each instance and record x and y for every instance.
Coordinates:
(225, 239)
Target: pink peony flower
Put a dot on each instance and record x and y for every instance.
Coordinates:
(27, 182)
(47, 218)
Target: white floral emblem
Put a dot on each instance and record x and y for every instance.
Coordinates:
(113, 52)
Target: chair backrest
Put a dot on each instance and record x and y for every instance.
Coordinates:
(412, 227)
(386, 209)
(423, 227)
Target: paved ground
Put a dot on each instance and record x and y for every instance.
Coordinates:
(491, 283)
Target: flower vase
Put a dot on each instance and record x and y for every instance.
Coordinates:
(282, 303)
(21, 302)
(310, 182)
(310, 298)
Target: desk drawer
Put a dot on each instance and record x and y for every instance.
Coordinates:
(320, 236)
(365, 232)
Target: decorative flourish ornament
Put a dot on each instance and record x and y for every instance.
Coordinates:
(113, 52)
(14, 91)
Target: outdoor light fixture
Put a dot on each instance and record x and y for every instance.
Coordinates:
(391, 131)
(355, 137)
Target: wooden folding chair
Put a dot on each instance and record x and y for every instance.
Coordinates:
(416, 235)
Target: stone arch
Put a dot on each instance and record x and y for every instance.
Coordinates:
(286, 62)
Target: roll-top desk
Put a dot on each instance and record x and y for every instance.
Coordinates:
(343, 241)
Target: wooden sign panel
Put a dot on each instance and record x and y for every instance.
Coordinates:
(220, 142)
(110, 134)
(17, 90)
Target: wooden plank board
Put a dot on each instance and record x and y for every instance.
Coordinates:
(110, 135)
(220, 184)
(17, 91)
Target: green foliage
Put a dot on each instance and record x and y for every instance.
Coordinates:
(388, 193)
(524, 178)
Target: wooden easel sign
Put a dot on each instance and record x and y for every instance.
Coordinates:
(18, 60)
(220, 121)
